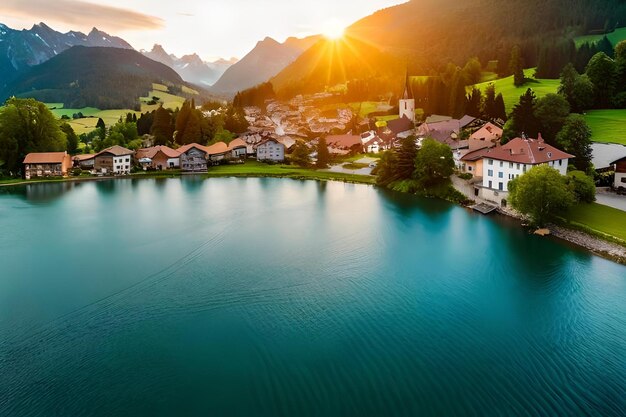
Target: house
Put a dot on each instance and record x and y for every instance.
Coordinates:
(114, 160)
(217, 152)
(485, 137)
(47, 164)
(401, 128)
(620, 174)
(194, 158)
(504, 163)
(158, 157)
(238, 148)
(85, 161)
(350, 143)
(270, 150)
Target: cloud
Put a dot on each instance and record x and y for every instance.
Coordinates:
(80, 13)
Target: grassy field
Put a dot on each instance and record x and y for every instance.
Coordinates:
(615, 37)
(600, 219)
(608, 126)
(257, 169)
(511, 93)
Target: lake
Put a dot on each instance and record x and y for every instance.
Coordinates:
(274, 297)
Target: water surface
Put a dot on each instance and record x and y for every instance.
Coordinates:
(269, 297)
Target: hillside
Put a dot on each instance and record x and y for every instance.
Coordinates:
(266, 60)
(431, 33)
(330, 62)
(21, 49)
(105, 78)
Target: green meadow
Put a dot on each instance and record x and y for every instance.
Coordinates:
(607, 126)
(614, 37)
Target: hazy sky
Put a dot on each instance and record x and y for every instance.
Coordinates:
(212, 28)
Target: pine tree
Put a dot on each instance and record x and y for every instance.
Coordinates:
(406, 158)
(182, 120)
(323, 156)
(500, 108)
(474, 103)
(100, 124)
(192, 132)
(516, 66)
(489, 104)
(523, 115)
(162, 126)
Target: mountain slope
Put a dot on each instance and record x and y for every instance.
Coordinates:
(266, 60)
(21, 49)
(106, 78)
(329, 63)
(191, 67)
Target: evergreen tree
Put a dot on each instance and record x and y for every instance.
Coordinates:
(523, 115)
(575, 138)
(601, 71)
(406, 158)
(474, 103)
(100, 124)
(387, 169)
(516, 66)
(192, 132)
(323, 156)
(300, 155)
(72, 138)
(568, 80)
(500, 108)
(182, 119)
(551, 112)
(620, 67)
(489, 104)
(162, 127)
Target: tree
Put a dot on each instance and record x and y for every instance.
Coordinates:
(601, 71)
(182, 119)
(583, 94)
(523, 115)
(100, 124)
(499, 108)
(489, 104)
(387, 169)
(472, 71)
(300, 154)
(72, 139)
(620, 67)
(474, 103)
(323, 156)
(516, 66)
(569, 75)
(540, 194)
(406, 158)
(26, 126)
(582, 185)
(434, 163)
(162, 127)
(575, 138)
(551, 112)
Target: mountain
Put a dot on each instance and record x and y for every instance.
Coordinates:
(332, 62)
(267, 59)
(191, 67)
(21, 49)
(106, 78)
(431, 33)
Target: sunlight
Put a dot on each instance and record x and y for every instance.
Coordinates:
(333, 30)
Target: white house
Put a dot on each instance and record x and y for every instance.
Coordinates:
(504, 163)
(114, 160)
(270, 150)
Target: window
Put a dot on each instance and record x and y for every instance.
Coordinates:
(624, 180)
(490, 161)
(490, 173)
(501, 164)
(501, 186)
(469, 169)
(518, 167)
(510, 164)
(560, 162)
(490, 184)
(127, 159)
(500, 174)
(524, 167)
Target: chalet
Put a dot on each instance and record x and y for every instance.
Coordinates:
(85, 162)
(470, 160)
(238, 148)
(504, 163)
(270, 150)
(401, 128)
(485, 137)
(114, 160)
(194, 158)
(47, 164)
(217, 152)
(349, 143)
(620, 174)
(158, 157)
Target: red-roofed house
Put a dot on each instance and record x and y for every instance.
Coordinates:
(194, 158)
(345, 142)
(114, 160)
(47, 164)
(504, 163)
(160, 157)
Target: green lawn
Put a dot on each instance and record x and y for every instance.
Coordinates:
(511, 93)
(614, 37)
(257, 169)
(600, 219)
(608, 126)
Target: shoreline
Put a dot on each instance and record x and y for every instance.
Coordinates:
(603, 248)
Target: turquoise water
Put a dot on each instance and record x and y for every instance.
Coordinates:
(269, 297)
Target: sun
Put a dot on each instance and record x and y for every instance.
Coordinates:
(333, 30)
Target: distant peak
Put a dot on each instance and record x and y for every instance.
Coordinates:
(158, 48)
(268, 41)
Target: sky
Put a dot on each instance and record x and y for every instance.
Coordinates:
(211, 28)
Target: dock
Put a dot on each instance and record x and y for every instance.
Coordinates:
(484, 208)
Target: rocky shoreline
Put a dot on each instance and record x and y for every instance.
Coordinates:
(598, 246)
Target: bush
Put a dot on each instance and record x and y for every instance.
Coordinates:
(583, 186)
(465, 176)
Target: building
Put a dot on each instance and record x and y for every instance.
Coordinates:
(47, 164)
(620, 174)
(238, 148)
(504, 163)
(470, 160)
(485, 137)
(85, 161)
(158, 157)
(194, 158)
(114, 160)
(407, 103)
(350, 143)
(270, 150)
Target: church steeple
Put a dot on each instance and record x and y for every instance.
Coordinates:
(408, 91)
(407, 103)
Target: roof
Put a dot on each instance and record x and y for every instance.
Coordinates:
(527, 151)
(237, 143)
(151, 152)
(408, 91)
(604, 154)
(400, 125)
(344, 141)
(84, 157)
(435, 118)
(618, 161)
(264, 141)
(466, 120)
(475, 155)
(45, 158)
(217, 148)
(488, 132)
(186, 148)
(116, 151)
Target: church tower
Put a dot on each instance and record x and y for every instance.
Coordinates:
(407, 102)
